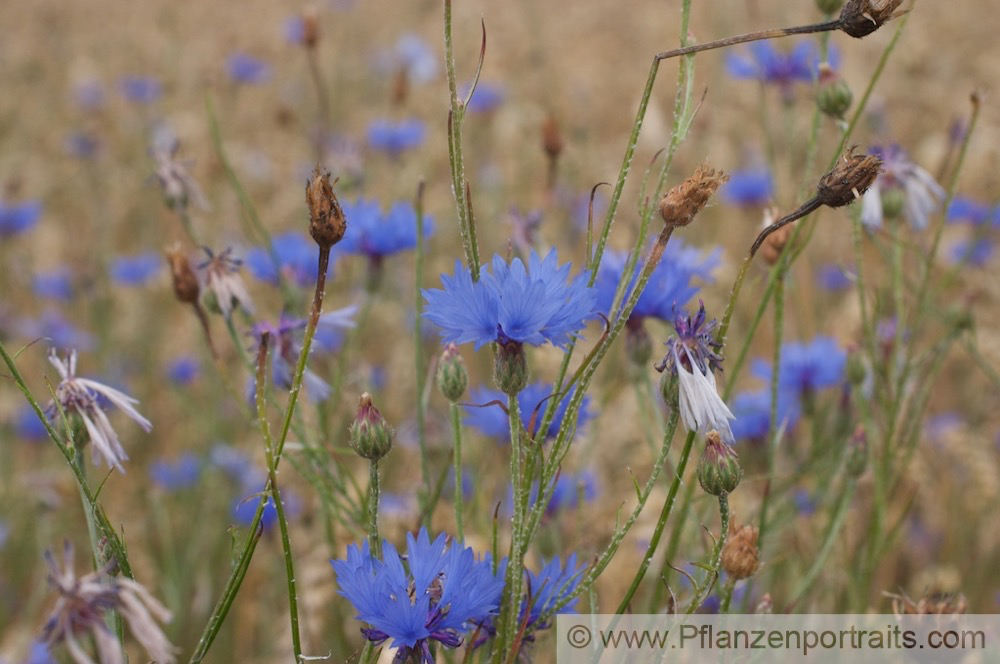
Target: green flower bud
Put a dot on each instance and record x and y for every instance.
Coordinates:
(893, 200)
(669, 389)
(371, 437)
(719, 471)
(834, 96)
(452, 378)
(857, 453)
(511, 369)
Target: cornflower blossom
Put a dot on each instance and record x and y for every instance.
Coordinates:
(223, 283)
(752, 187)
(245, 68)
(761, 61)
(81, 397)
(82, 608)
(568, 492)
(179, 188)
(974, 251)
(692, 357)
(413, 56)
(901, 187)
(512, 303)
(442, 593)
(833, 277)
(486, 98)
(376, 235)
(963, 208)
(807, 368)
(56, 284)
(174, 475)
(493, 421)
(753, 414)
(296, 256)
(140, 89)
(286, 345)
(29, 426)
(183, 370)
(16, 218)
(396, 137)
(88, 94)
(136, 270)
(58, 331)
(81, 144)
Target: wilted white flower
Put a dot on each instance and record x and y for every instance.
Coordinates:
(79, 396)
(179, 188)
(82, 608)
(901, 187)
(223, 283)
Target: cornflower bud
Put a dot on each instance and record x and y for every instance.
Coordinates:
(834, 96)
(185, 282)
(371, 437)
(511, 369)
(327, 223)
(860, 18)
(850, 178)
(857, 453)
(452, 377)
(680, 205)
(740, 556)
(719, 471)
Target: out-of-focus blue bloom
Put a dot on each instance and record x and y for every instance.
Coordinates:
(399, 505)
(569, 491)
(833, 277)
(468, 484)
(40, 654)
(295, 29)
(234, 463)
(183, 370)
(669, 287)
(900, 178)
(59, 331)
(748, 188)
(395, 137)
(963, 208)
(493, 421)
(245, 507)
(939, 426)
(549, 586)
(411, 55)
(179, 474)
(29, 426)
(976, 251)
(245, 68)
(81, 145)
(56, 284)
(89, 95)
(376, 235)
(487, 97)
(140, 89)
(136, 270)
(440, 594)
(806, 368)
(513, 303)
(761, 61)
(753, 414)
(297, 259)
(16, 218)
(710, 606)
(805, 502)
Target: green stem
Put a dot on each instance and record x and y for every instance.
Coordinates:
(456, 428)
(510, 609)
(716, 563)
(727, 596)
(373, 496)
(832, 534)
(775, 433)
(418, 355)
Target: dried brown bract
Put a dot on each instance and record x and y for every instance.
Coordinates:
(850, 178)
(327, 223)
(682, 204)
(552, 138)
(740, 556)
(185, 281)
(860, 18)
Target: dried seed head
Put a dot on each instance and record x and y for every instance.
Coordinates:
(850, 178)
(552, 138)
(775, 243)
(740, 556)
(681, 204)
(860, 18)
(327, 223)
(310, 27)
(186, 286)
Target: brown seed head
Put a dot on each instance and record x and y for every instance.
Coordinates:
(185, 282)
(552, 138)
(681, 204)
(327, 223)
(850, 178)
(860, 18)
(740, 556)
(310, 27)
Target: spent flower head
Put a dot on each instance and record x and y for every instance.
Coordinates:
(681, 205)
(180, 189)
(224, 286)
(901, 187)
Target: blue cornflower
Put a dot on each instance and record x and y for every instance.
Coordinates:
(244, 509)
(59, 332)
(81, 145)
(136, 270)
(295, 29)
(417, 58)
(806, 368)
(297, 260)
(492, 420)
(395, 137)
(439, 595)
(245, 68)
(668, 288)
(549, 586)
(89, 94)
(901, 187)
(568, 491)
(140, 89)
(486, 98)
(376, 235)
(963, 208)
(753, 414)
(29, 426)
(56, 284)
(235, 463)
(183, 370)
(752, 187)
(805, 502)
(17, 218)
(761, 61)
(975, 251)
(179, 474)
(834, 277)
(513, 303)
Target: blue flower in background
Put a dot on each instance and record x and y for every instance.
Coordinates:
(57, 330)
(179, 474)
(439, 595)
(669, 287)
(412, 56)
(89, 95)
(16, 218)
(749, 188)
(753, 414)
(978, 214)
(833, 277)
(136, 270)
(56, 284)
(569, 491)
(81, 145)
(40, 654)
(554, 582)
(761, 61)
(513, 303)
(805, 503)
(297, 259)
(245, 68)
(235, 463)
(806, 368)
(492, 420)
(183, 370)
(976, 251)
(396, 137)
(29, 426)
(140, 89)
(487, 97)
(245, 508)
(376, 235)
(295, 29)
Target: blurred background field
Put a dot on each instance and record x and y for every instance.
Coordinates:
(88, 86)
